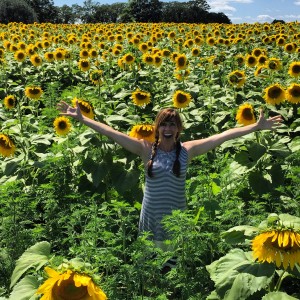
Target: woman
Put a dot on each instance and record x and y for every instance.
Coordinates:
(165, 161)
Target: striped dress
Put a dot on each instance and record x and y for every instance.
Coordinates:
(163, 193)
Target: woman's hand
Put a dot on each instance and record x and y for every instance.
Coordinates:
(67, 110)
(270, 123)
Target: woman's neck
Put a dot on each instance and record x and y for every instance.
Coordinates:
(166, 146)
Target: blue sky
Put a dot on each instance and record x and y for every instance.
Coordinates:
(238, 11)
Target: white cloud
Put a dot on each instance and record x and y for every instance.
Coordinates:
(297, 2)
(220, 6)
(264, 18)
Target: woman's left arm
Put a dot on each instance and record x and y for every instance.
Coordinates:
(201, 146)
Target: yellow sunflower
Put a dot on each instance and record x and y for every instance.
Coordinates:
(33, 92)
(143, 47)
(157, 60)
(10, 102)
(96, 76)
(59, 54)
(144, 132)
(237, 78)
(181, 99)
(140, 98)
(62, 125)
(181, 74)
(279, 246)
(85, 107)
(20, 55)
(250, 60)
(294, 69)
(273, 64)
(245, 114)
(293, 93)
(274, 94)
(128, 59)
(36, 60)
(84, 53)
(7, 147)
(148, 59)
(49, 56)
(84, 65)
(181, 62)
(69, 285)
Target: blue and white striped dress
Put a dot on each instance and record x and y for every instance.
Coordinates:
(164, 192)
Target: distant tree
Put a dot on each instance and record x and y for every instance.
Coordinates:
(278, 21)
(174, 12)
(144, 10)
(87, 11)
(109, 13)
(16, 11)
(44, 9)
(66, 15)
(220, 18)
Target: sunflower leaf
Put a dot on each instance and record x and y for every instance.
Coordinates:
(238, 234)
(278, 296)
(25, 289)
(237, 275)
(36, 256)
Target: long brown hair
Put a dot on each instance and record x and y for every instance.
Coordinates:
(166, 115)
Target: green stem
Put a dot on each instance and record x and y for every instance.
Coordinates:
(278, 284)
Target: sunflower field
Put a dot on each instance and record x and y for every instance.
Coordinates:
(71, 198)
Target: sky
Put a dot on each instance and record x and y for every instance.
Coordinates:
(238, 11)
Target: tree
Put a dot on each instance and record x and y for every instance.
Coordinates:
(66, 15)
(144, 10)
(218, 18)
(16, 11)
(109, 13)
(45, 10)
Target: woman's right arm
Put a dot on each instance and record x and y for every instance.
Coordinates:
(136, 146)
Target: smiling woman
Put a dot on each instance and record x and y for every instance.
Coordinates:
(165, 159)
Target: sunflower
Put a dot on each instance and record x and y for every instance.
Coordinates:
(289, 48)
(84, 53)
(49, 56)
(273, 64)
(143, 47)
(59, 54)
(143, 132)
(293, 93)
(148, 59)
(85, 107)
(10, 102)
(240, 59)
(262, 59)
(274, 94)
(33, 92)
(195, 52)
(96, 76)
(20, 55)
(140, 98)
(250, 60)
(69, 285)
(128, 59)
(7, 147)
(36, 60)
(279, 246)
(245, 115)
(84, 65)
(237, 78)
(181, 62)
(294, 69)
(157, 60)
(181, 99)
(62, 125)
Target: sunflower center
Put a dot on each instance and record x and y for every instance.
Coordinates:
(34, 91)
(62, 125)
(272, 65)
(68, 291)
(4, 144)
(274, 92)
(141, 96)
(296, 69)
(247, 114)
(181, 61)
(181, 98)
(295, 92)
(144, 132)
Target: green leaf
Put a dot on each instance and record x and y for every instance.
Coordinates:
(294, 145)
(36, 256)
(278, 296)
(25, 289)
(238, 234)
(237, 271)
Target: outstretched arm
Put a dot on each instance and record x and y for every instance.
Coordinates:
(131, 144)
(198, 147)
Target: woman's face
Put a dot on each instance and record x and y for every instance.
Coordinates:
(168, 131)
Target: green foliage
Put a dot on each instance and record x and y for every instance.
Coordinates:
(16, 11)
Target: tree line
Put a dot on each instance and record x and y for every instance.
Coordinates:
(43, 11)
